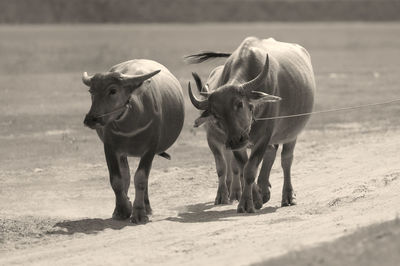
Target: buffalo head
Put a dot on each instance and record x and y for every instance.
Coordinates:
(110, 92)
(230, 106)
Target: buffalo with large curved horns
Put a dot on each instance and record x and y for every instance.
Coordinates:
(262, 78)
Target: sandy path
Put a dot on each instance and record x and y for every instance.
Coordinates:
(345, 177)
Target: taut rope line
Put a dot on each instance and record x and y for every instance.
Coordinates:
(327, 111)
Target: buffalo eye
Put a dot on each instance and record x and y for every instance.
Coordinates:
(239, 105)
(112, 91)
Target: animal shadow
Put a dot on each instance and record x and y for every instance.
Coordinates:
(88, 226)
(200, 213)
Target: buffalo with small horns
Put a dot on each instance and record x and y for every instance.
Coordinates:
(137, 110)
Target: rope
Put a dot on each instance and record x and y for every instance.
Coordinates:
(115, 111)
(327, 111)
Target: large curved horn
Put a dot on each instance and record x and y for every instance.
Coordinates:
(199, 104)
(199, 84)
(86, 79)
(204, 90)
(138, 79)
(256, 83)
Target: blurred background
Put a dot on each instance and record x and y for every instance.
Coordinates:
(53, 169)
(128, 11)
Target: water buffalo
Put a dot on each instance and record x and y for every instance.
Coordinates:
(261, 78)
(137, 110)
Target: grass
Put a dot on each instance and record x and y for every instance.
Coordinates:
(41, 66)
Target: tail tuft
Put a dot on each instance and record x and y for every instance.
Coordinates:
(204, 56)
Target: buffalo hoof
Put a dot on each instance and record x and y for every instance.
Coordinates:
(139, 215)
(148, 209)
(221, 198)
(246, 205)
(257, 200)
(265, 192)
(236, 194)
(122, 211)
(288, 198)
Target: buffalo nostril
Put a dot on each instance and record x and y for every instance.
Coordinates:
(89, 120)
(241, 139)
(85, 121)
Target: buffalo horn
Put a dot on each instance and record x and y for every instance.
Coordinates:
(86, 79)
(199, 104)
(257, 82)
(137, 79)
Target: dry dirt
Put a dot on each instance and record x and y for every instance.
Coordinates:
(346, 176)
(55, 197)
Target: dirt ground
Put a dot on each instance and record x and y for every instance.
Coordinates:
(56, 201)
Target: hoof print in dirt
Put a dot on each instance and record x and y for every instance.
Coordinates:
(288, 199)
(139, 216)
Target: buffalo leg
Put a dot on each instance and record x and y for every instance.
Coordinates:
(147, 201)
(120, 179)
(141, 179)
(251, 198)
(220, 164)
(236, 186)
(288, 195)
(263, 176)
(229, 175)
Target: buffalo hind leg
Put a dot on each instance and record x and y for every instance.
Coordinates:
(120, 179)
(141, 205)
(263, 176)
(288, 195)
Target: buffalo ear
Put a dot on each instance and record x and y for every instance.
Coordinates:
(257, 97)
(201, 119)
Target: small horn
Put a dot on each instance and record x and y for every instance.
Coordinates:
(86, 79)
(199, 104)
(137, 79)
(256, 83)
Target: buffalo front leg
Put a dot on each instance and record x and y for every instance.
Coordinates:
(229, 175)
(120, 179)
(221, 167)
(250, 199)
(288, 195)
(141, 205)
(236, 186)
(263, 177)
